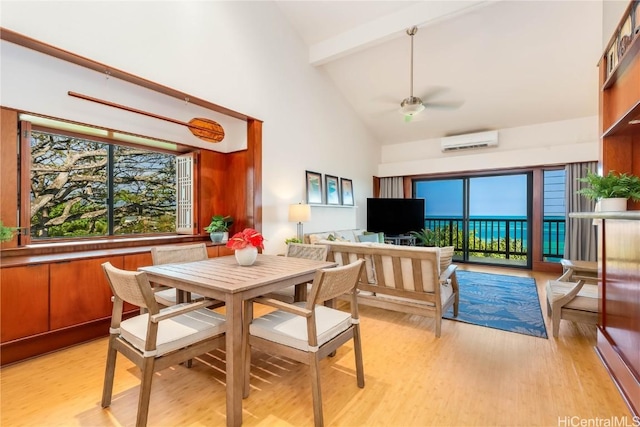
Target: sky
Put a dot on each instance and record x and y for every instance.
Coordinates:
(489, 196)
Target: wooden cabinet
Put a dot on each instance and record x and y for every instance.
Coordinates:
(620, 106)
(133, 261)
(79, 291)
(24, 301)
(619, 252)
(51, 302)
(619, 322)
(224, 251)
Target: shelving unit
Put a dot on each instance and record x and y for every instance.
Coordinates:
(618, 343)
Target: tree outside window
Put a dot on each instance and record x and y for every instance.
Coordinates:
(84, 188)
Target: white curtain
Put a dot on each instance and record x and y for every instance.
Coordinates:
(580, 234)
(392, 187)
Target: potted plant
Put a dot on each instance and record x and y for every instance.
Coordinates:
(425, 237)
(245, 244)
(612, 190)
(218, 227)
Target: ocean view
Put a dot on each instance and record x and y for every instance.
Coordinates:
(494, 228)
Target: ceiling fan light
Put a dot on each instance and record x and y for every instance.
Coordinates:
(412, 106)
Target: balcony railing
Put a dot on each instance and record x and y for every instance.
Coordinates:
(505, 238)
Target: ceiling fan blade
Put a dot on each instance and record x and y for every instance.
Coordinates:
(434, 92)
(444, 105)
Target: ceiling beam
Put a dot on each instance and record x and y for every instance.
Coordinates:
(389, 27)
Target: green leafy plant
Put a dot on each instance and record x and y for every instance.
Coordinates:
(425, 237)
(6, 233)
(611, 185)
(219, 224)
(292, 240)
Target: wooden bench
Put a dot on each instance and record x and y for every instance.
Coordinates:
(402, 278)
(574, 296)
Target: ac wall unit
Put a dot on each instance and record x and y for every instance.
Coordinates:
(470, 140)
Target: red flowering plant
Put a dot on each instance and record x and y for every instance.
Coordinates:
(247, 237)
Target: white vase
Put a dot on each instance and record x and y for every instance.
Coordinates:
(246, 256)
(615, 204)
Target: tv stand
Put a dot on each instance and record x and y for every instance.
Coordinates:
(400, 240)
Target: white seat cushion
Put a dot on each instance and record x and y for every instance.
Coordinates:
(175, 332)
(291, 330)
(585, 300)
(168, 297)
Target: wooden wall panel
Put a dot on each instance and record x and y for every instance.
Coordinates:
(212, 186)
(619, 325)
(621, 96)
(376, 187)
(24, 301)
(224, 251)
(80, 292)
(253, 208)
(617, 154)
(133, 261)
(236, 200)
(9, 171)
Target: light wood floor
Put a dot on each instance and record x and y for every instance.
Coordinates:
(471, 376)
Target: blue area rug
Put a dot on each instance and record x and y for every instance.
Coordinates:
(499, 301)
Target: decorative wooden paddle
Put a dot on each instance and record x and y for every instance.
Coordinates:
(205, 129)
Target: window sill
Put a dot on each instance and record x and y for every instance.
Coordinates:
(63, 250)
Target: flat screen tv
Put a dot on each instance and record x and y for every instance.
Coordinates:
(394, 217)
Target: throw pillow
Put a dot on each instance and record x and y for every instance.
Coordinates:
(373, 238)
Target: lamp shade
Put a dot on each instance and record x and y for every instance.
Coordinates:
(299, 213)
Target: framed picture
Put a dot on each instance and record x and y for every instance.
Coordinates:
(314, 187)
(333, 191)
(612, 58)
(347, 191)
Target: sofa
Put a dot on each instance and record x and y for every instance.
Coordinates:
(409, 279)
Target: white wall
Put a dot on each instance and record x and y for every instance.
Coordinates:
(241, 55)
(567, 141)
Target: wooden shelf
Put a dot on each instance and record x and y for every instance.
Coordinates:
(622, 125)
(624, 62)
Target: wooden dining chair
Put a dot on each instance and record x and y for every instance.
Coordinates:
(300, 250)
(309, 331)
(158, 338)
(177, 253)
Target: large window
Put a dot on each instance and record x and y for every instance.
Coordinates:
(554, 213)
(485, 218)
(83, 188)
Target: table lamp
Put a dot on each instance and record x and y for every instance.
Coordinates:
(299, 213)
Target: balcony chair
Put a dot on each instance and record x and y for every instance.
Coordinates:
(574, 296)
(157, 339)
(300, 250)
(177, 253)
(308, 332)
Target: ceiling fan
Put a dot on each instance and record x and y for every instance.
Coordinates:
(413, 105)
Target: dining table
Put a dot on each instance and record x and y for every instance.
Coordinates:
(223, 279)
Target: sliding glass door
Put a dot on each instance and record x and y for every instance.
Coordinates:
(487, 219)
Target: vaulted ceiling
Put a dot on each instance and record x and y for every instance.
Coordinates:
(482, 64)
